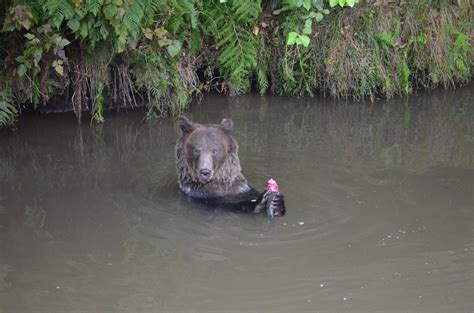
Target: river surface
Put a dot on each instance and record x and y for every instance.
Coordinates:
(379, 217)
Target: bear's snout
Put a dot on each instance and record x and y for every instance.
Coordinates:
(205, 166)
(205, 175)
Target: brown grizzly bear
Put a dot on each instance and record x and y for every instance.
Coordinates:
(207, 160)
(208, 168)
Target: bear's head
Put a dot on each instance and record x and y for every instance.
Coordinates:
(208, 150)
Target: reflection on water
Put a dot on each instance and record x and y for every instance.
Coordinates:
(379, 201)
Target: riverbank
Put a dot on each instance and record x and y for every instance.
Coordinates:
(92, 56)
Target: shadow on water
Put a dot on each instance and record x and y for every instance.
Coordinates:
(379, 200)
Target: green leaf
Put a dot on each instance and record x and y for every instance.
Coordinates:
(174, 48)
(109, 11)
(326, 11)
(21, 70)
(61, 42)
(95, 6)
(421, 39)
(59, 69)
(350, 3)
(305, 40)
(276, 12)
(194, 18)
(104, 32)
(341, 3)
(291, 38)
(333, 3)
(165, 42)
(8, 27)
(8, 110)
(307, 4)
(29, 36)
(319, 17)
(308, 27)
(318, 5)
(195, 43)
(84, 30)
(73, 24)
(385, 39)
(404, 73)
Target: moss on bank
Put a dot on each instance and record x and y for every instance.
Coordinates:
(109, 54)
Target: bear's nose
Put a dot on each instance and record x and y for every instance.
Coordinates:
(205, 172)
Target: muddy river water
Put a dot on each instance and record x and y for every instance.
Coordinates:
(379, 217)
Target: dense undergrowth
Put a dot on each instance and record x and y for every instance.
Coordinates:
(101, 54)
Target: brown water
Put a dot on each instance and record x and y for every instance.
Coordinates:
(379, 196)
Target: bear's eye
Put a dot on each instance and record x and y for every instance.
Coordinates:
(214, 151)
(197, 151)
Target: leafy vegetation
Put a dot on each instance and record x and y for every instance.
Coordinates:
(112, 54)
(8, 110)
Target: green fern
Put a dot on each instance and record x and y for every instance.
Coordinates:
(133, 18)
(152, 7)
(262, 67)
(174, 23)
(189, 8)
(195, 42)
(238, 57)
(182, 15)
(459, 55)
(95, 6)
(8, 111)
(246, 10)
(262, 78)
(59, 10)
(231, 26)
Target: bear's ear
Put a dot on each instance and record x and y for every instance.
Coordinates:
(185, 124)
(227, 124)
